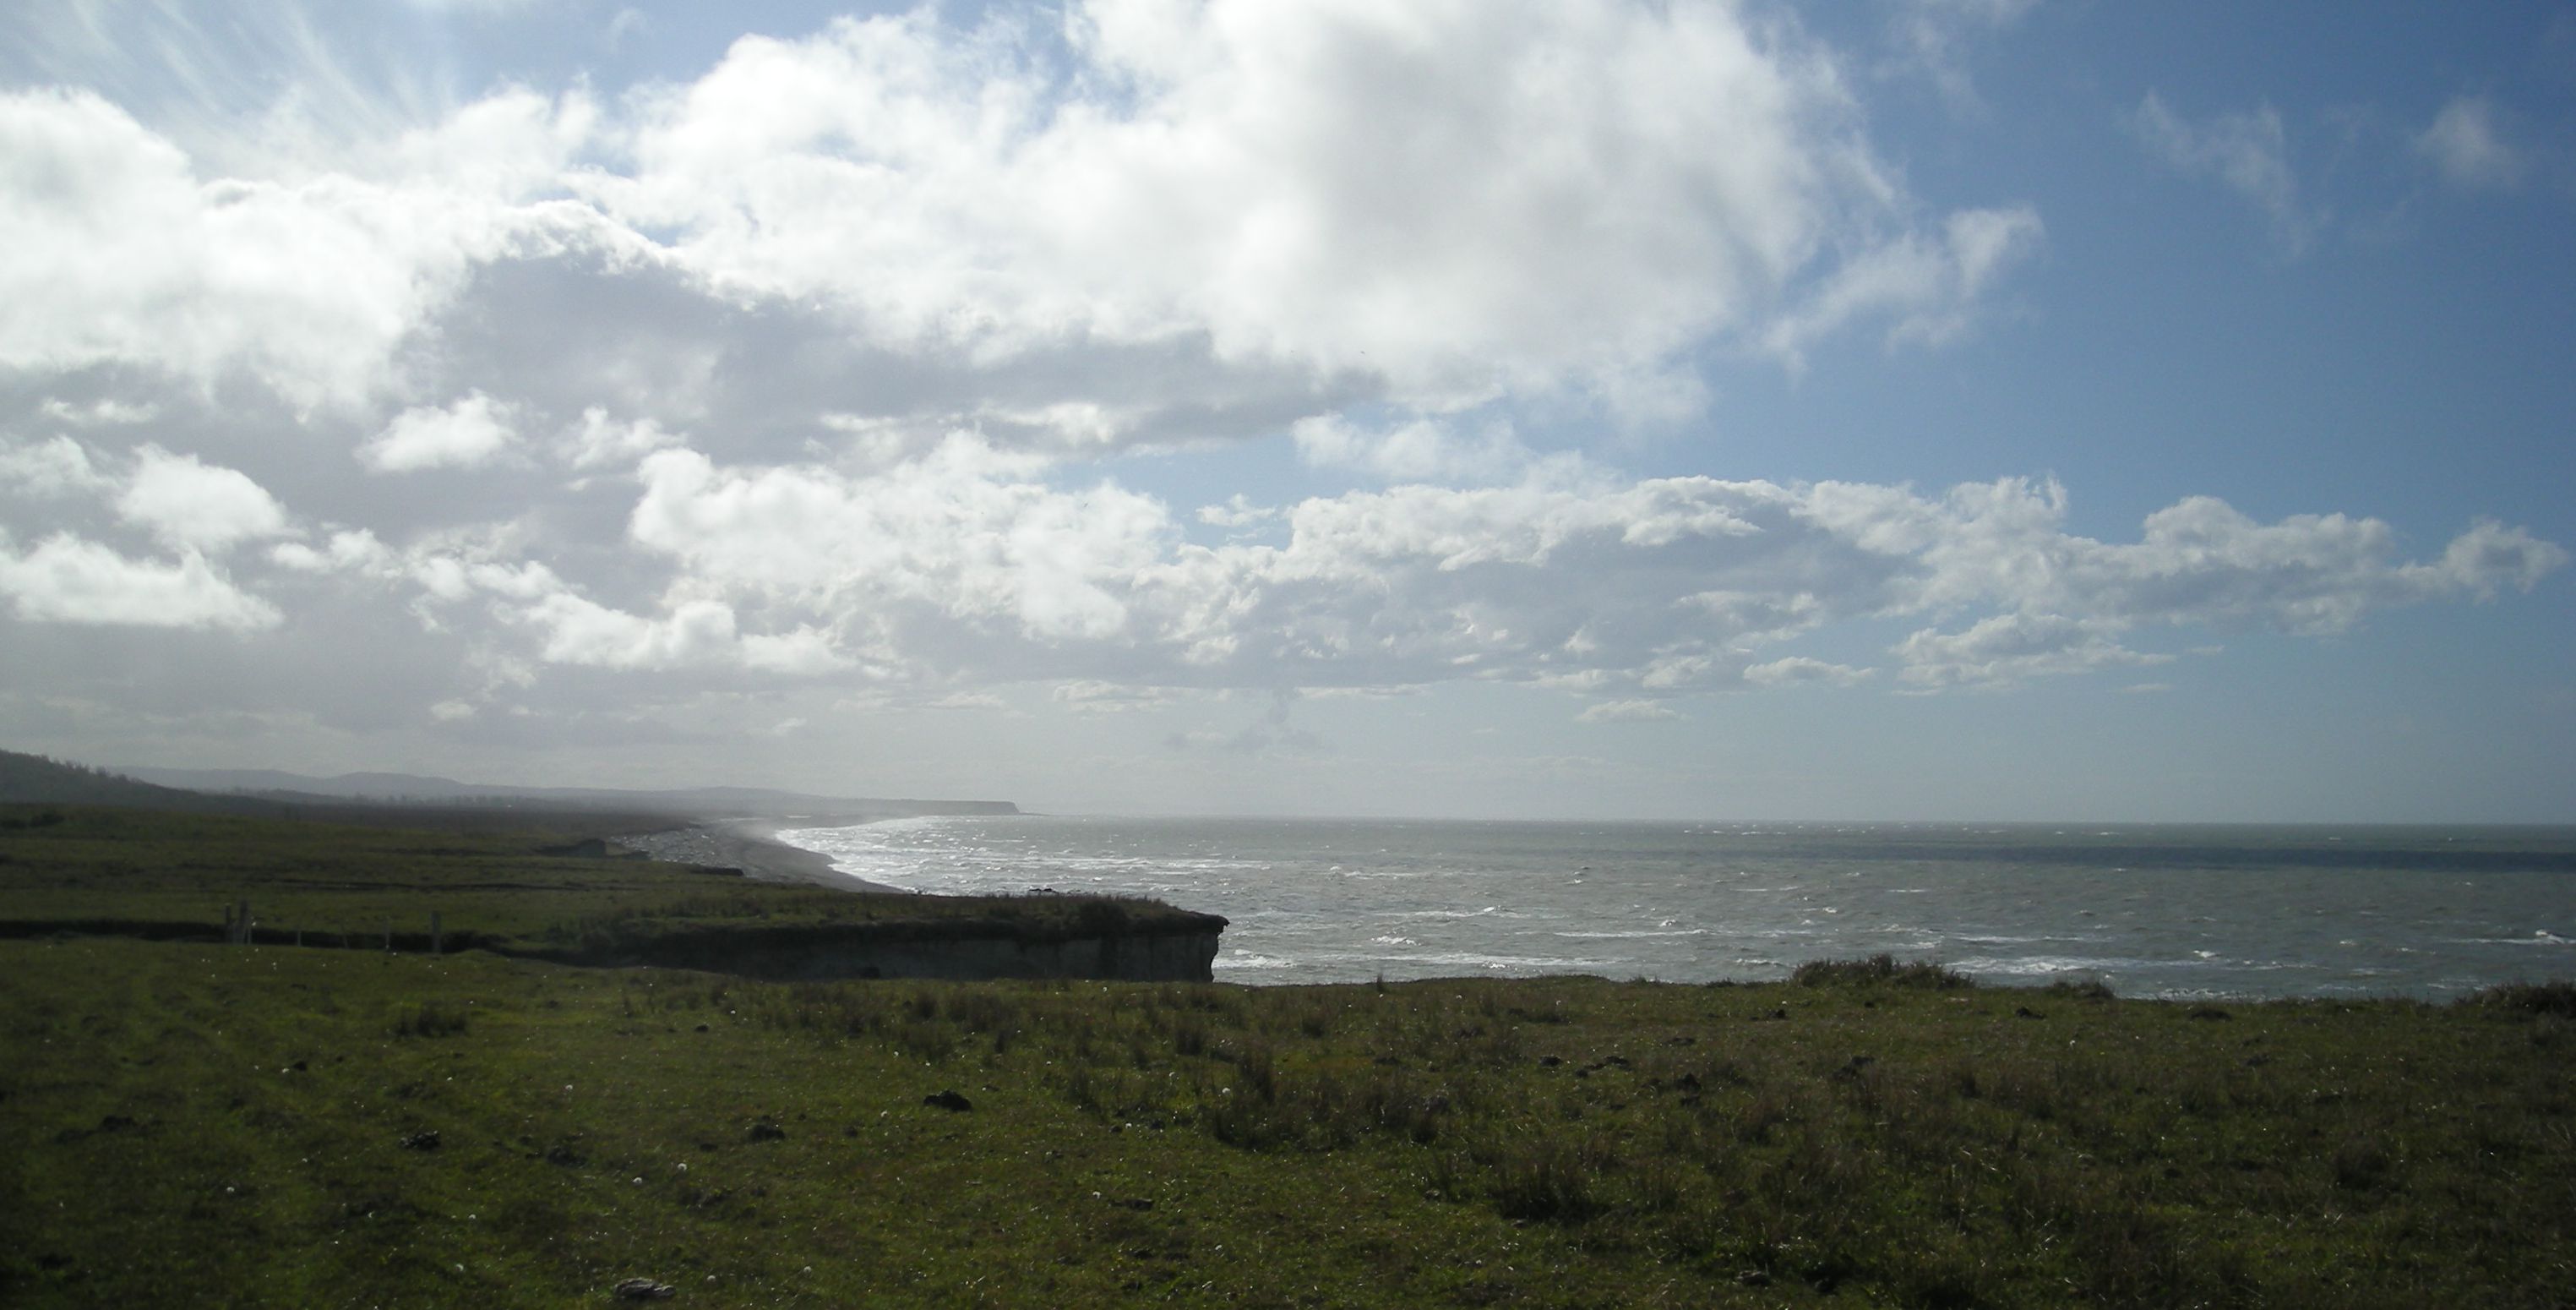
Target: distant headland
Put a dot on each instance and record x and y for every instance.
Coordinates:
(684, 878)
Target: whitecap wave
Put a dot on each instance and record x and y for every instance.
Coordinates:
(1636, 935)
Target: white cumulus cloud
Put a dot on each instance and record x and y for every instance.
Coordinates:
(599, 441)
(194, 505)
(1628, 711)
(2010, 647)
(973, 565)
(472, 431)
(118, 251)
(56, 466)
(65, 579)
(1459, 198)
(1800, 670)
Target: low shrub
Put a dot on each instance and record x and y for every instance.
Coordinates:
(2558, 998)
(1880, 970)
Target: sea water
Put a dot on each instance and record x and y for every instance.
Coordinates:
(2158, 910)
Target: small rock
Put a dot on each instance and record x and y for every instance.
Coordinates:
(2025, 1012)
(767, 1130)
(425, 1140)
(948, 1100)
(643, 1289)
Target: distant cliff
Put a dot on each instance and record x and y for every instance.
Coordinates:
(423, 789)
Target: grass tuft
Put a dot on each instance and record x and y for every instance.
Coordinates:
(432, 1019)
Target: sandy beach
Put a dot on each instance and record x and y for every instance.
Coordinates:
(750, 845)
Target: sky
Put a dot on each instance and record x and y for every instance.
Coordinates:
(1570, 409)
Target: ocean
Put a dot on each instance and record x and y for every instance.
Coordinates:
(2152, 910)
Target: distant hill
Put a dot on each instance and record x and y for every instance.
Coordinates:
(706, 802)
(34, 779)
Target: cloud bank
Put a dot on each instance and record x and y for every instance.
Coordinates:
(818, 366)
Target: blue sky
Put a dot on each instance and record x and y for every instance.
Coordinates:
(1934, 409)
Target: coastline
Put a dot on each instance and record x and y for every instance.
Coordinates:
(752, 846)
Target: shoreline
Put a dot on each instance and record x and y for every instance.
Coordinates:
(752, 846)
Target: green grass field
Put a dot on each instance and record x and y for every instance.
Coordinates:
(186, 1123)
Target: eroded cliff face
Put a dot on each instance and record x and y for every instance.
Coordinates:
(1182, 956)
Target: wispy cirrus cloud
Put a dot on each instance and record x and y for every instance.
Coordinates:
(2247, 150)
(2466, 143)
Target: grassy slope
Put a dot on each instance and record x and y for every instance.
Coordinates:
(188, 1124)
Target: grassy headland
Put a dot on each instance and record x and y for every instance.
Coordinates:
(525, 884)
(190, 1123)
